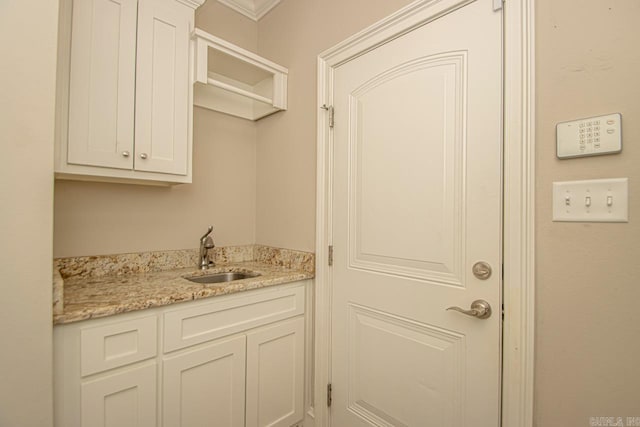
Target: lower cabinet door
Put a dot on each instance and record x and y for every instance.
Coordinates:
(206, 386)
(125, 399)
(275, 374)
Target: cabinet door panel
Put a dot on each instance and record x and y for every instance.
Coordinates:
(102, 83)
(162, 87)
(127, 399)
(275, 374)
(206, 386)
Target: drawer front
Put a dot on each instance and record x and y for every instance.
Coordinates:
(117, 344)
(190, 326)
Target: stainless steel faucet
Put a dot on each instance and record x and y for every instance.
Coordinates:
(206, 243)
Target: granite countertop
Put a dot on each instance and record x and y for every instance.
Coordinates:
(90, 292)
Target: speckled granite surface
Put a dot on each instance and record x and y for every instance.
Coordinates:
(58, 292)
(102, 286)
(296, 260)
(146, 262)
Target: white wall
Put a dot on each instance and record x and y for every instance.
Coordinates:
(28, 34)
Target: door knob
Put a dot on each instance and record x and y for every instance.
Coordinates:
(479, 308)
(143, 156)
(125, 154)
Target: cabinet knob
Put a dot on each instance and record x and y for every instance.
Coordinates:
(125, 154)
(143, 156)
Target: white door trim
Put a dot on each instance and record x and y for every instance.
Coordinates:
(519, 185)
(518, 216)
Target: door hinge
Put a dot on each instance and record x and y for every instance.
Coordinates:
(331, 114)
(331, 255)
(497, 5)
(329, 392)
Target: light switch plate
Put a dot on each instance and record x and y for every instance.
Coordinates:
(589, 137)
(597, 200)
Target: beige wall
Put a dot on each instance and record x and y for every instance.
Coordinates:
(27, 95)
(294, 34)
(98, 218)
(272, 202)
(588, 275)
(588, 63)
(219, 20)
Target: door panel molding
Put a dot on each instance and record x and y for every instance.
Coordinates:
(423, 346)
(518, 221)
(445, 77)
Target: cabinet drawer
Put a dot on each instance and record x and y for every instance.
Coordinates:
(194, 325)
(117, 344)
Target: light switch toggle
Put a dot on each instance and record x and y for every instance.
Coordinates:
(597, 196)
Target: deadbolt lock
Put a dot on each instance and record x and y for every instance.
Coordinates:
(482, 270)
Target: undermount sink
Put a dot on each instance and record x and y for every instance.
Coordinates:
(229, 276)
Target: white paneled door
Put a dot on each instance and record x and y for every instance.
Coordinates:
(416, 205)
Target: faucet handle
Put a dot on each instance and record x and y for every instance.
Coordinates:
(208, 243)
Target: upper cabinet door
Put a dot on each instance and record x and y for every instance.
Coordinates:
(163, 87)
(102, 83)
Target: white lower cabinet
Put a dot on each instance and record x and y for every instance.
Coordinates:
(231, 361)
(125, 399)
(275, 374)
(206, 386)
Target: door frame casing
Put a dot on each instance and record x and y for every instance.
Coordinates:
(518, 197)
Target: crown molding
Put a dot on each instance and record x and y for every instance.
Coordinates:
(192, 3)
(253, 9)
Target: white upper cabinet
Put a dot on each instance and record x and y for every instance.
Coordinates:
(124, 111)
(235, 81)
(162, 87)
(102, 83)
